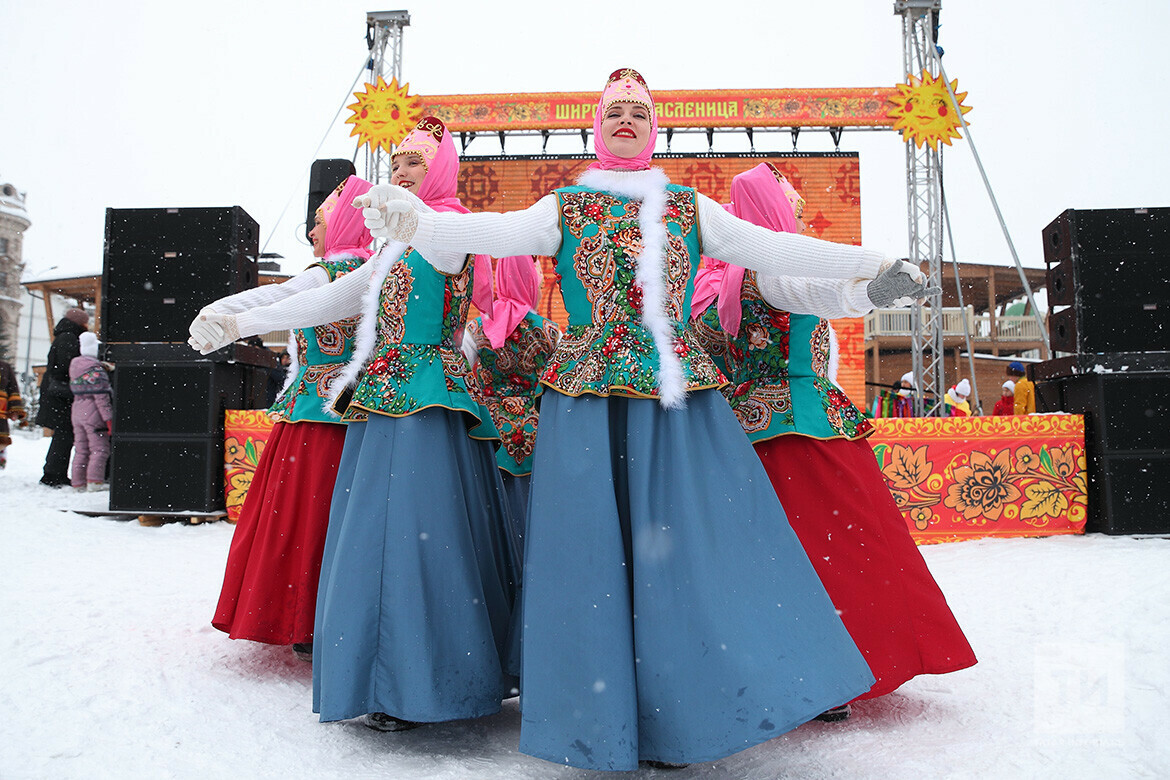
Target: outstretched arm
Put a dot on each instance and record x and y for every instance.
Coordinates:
(446, 238)
(318, 306)
(781, 254)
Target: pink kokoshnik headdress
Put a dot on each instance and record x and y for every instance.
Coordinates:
(517, 293)
(431, 141)
(345, 229)
(763, 197)
(625, 85)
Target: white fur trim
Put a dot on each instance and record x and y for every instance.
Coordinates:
(294, 365)
(367, 329)
(649, 187)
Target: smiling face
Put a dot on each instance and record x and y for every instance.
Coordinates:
(626, 129)
(317, 236)
(408, 171)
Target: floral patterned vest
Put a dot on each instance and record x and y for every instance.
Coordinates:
(778, 369)
(507, 382)
(606, 350)
(415, 363)
(322, 353)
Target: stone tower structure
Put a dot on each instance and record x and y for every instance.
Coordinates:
(13, 222)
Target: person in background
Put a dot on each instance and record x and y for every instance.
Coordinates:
(781, 364)
(278, 376)
(956, 399)
(56, 401)
(1025, 390)
(92, 416)
(898, 401)
(1006, 405)
(507, 352)
(11, 406)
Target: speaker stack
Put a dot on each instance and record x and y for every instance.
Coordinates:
(161, 266)
(1110, 271)
(324, 176)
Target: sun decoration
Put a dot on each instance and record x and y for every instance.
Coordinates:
(923, 112)
(384, 114)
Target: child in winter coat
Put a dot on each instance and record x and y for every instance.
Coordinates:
(92, 416)
(1007, 402)
(11, 406)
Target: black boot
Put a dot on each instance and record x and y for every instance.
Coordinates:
(662, 764)
(380, 721)
(304, 651)
(834, 715)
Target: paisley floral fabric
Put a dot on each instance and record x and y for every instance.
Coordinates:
(507, 382)
(778, 371)
(606, 350)
(322, 353)
(415, 363)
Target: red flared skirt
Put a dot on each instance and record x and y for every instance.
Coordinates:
(841, 510)
(270, 587)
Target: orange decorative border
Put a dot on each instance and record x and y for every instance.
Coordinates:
(245, 434)
(846, 107)
(973, 477)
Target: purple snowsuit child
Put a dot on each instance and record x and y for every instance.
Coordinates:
(92, 415)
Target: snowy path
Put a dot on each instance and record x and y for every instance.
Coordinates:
(111, 669)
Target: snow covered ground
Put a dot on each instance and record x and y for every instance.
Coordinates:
(111, 669)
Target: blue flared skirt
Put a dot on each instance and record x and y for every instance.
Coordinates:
(670, 613)
(419, 575)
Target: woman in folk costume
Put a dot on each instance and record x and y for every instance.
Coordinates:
(670, 614)
(419, 571)
(811, 440)
(269, 589)
(507, 351)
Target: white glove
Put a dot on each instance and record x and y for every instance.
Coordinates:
(211, 331)
(391, 212)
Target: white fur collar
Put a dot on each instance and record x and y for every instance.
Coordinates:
(367, 329)
(649, 187)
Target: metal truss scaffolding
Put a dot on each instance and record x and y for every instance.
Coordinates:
(384, 40)
(924, 202)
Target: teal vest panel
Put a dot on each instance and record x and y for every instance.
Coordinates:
(606, 348)
(778, 368)
(322, 354)
(415, 363)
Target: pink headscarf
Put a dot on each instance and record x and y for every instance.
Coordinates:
(707, 283)
(517, 293)
(431, 141)
(345, 230)
(625, 85)
(763, 197)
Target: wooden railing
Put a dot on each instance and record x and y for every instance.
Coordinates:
(897, 322)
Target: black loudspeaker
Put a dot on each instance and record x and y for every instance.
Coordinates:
(1127, 446)
(1109, 267)
(183, 399)
(324, 176)
(167, 452)
(163, 265)
(167, 475)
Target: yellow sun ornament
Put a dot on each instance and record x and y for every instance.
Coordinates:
(923, 111)
(383, 114)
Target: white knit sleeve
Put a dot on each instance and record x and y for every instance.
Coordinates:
(328, 303)
(826, 298)
(446, 238)
(270, 293)
(733, 240)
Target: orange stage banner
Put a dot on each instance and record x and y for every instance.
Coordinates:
(959, 478)
(852, 107)
(245, 433)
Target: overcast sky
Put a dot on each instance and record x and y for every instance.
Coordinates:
(215, 103)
